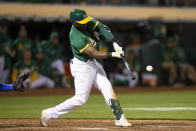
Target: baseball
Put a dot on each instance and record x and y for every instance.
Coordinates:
(149, 68)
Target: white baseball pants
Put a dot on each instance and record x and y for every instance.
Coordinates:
(85, 75)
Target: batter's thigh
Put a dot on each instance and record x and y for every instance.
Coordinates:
(102, 83)
(83, 79)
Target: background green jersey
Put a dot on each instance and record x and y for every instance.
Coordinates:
(3, 39)
(44, 67)
(180, 56)
(53, 52)
(19, 46)
(22, 67)
(167, 55)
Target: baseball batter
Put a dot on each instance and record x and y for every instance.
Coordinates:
(84, 39)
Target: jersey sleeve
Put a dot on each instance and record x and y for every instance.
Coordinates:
(81, 44)
(102, 29)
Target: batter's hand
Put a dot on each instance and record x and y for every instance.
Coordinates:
(118, 54)
(117, 48)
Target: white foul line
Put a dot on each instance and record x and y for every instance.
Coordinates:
(161, 108)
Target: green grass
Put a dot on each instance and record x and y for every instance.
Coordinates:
(31, 106)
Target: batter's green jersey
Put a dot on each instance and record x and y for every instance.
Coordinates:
(81, 40)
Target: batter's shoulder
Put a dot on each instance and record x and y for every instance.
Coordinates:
(74, 32)
(93, 24)
(76, 36)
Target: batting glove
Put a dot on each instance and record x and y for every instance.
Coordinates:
(118, 54)
(117, 48)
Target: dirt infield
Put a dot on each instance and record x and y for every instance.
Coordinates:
(95, 125)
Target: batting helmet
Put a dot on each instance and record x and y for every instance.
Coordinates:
(79, 16)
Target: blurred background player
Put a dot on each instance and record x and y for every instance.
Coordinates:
(185, 70)
(53, 50)
(45, 72)
(21, 42)
(168, 64)
(37, 78)
(6, 53)
(26, 65)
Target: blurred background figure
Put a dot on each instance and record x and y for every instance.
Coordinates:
(54, 53)
(186, 71)
(26, 65)
(21, 42)
(168, 60)
(6, 53)
(45, 74)
(38, 69)
(135, 44)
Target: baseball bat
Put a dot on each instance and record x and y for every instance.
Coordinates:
(130, 70)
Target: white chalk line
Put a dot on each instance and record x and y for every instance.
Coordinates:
(91, 129)
(174, 126)
(161, 108)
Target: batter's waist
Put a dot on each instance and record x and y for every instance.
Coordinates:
(77, 61)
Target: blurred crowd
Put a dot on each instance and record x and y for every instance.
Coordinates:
(177, 3)
(42, 60)
(172, 59)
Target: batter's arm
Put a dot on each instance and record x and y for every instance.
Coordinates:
(107, 34)
(91, 51)
(104, 31)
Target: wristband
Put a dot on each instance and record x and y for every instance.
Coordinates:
(109, 54)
